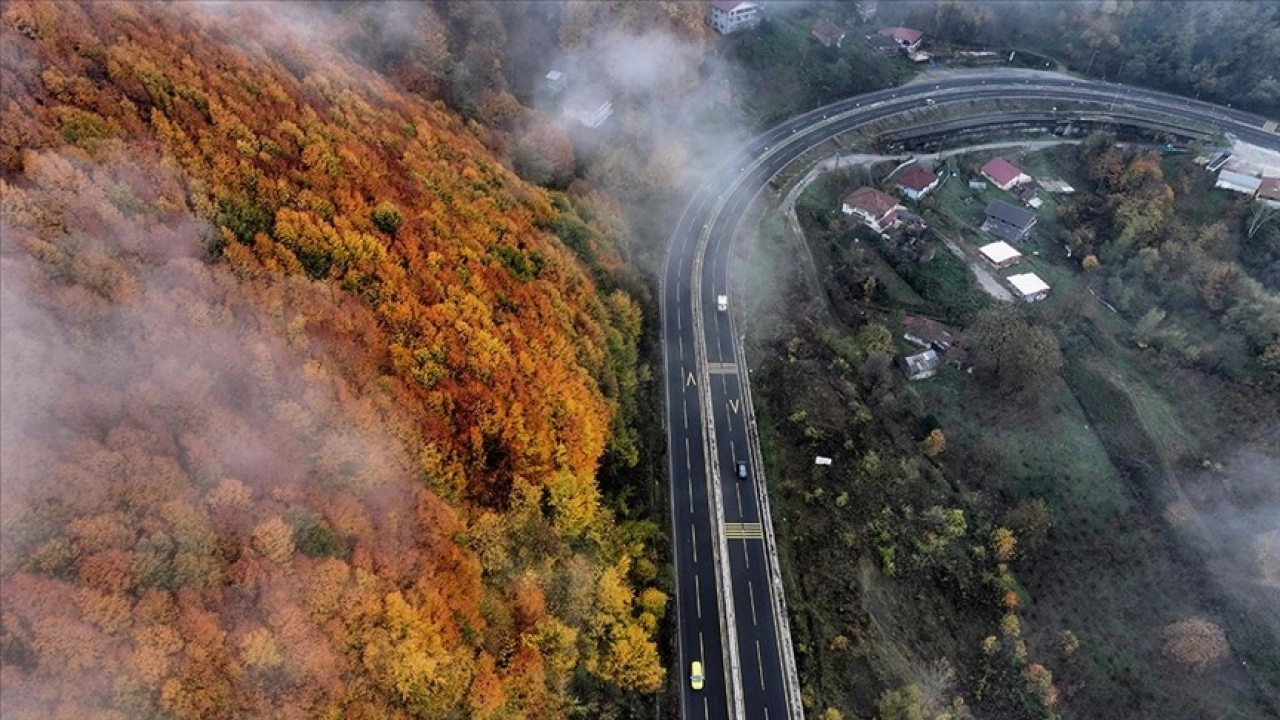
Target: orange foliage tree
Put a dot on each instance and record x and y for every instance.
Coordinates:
(282, 449)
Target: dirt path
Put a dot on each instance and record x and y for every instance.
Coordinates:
(990, 285)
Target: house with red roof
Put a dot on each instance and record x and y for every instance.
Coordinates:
(1269, 191)
(1004, 174)
(729, 16)
(908, 39)
(876, 210)
(915, 182)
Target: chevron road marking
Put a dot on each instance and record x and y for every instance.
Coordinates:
(744, 531)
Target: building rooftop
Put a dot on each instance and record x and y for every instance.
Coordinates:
(1010, 214)
(827, 32)
(1028, 284)
(1269, 189)
(921, 365)
(1057, 186)
(882, 43)
(1235, 179)
(915, 177)
(730, 5)
(871, 200)
(1001, 171)
(902, 34)
(999, 252)
(927, 333)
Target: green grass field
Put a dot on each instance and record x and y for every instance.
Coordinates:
(1105, 447)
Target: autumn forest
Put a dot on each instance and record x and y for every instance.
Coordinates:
(314, 393)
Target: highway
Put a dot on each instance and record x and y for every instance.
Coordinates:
(730, 611)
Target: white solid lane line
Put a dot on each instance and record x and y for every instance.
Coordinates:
(688, 467)
(760, 664)
(752, 590)
(697, 593)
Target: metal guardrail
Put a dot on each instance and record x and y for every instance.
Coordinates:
(719, 548)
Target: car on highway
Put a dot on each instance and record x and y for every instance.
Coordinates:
(742, 469)
(695, 675)
(722, 302)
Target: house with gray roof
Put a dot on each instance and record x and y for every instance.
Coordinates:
(921, 365)
(1008, 222)
(1238, 182)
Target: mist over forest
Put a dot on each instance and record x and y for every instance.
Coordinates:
(330, 369)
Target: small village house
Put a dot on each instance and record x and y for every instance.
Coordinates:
(873, 208)
(730, 16)
(1269, 191)
(915, 182)
(827, 33)
(1029, 287)
(907, 39)
(1000, 253)
(1004, 174)
(883, 45)
(556, 81)
(928, 334)
(921, 365)
(1238, 182)
(1008, 222)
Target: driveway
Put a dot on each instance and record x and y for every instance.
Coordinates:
(990, 283)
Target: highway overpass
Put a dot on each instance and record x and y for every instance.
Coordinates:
(731, 613)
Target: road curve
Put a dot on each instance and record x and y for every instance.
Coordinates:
(731, 614)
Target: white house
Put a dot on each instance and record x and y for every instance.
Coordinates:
(1029, 287)
(921, 366)
(556, 81)
(1001, 254)
(730, 16)
(915, 182)
(875, 209)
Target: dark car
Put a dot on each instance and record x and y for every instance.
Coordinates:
(742, 469)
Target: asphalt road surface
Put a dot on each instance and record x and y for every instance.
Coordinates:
(747, 662)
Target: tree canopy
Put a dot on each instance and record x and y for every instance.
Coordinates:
(310, 395)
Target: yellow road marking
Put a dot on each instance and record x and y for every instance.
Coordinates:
(743, 531)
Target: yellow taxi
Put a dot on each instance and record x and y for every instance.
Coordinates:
(695, 675)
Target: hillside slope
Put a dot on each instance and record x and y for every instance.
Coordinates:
(303, 400)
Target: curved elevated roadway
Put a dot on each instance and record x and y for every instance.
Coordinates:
(730, 609)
